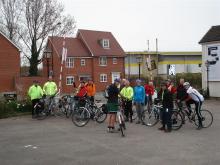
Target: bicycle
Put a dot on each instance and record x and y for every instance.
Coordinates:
(121, 120)
(154, 116)
(207, 117)
(49, 106)
(82, 114)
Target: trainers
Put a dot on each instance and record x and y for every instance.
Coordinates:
(138, 122)
(199, 127)
(108, 129)
(167, 130)
(161, 128)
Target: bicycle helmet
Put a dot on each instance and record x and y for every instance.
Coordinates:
(186, 84)
(117, 80)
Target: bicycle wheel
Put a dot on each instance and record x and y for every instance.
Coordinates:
(207, 118)
(176, 119)
(80, 117)
(100, 116)
(122, 126)
(150, 119)
(42, 114)
(134, 116)
(68, 112)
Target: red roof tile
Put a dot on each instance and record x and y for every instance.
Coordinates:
(74, 46)
(92, 38)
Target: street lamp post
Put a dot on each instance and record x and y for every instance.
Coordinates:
(207, 64)
(139, 61)
(47, 56)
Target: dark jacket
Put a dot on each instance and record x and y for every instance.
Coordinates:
(113, 92)
(181, 93)
(167, 99)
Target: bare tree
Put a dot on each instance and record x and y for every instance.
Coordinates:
(42, 18)
(10, 12)
(38, 20)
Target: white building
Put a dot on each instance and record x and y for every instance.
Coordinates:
(210, 55)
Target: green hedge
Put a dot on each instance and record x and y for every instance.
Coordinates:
(13, 108)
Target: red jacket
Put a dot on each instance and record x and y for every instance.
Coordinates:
(82, 92)
(149, 89)
(171, 88)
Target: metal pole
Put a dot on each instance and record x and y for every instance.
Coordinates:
(52, 54)
(48, 72)
(139, 72)
(208, 94)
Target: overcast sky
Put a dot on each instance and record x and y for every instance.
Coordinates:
(178, 24)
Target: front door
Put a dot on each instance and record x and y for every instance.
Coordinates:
(115, 75)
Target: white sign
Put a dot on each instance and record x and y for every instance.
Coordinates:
(213, 55)
(172, 70)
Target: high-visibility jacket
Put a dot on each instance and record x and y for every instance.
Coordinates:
(127, 92)
(50, 88)
(91, 89)
(35, 92)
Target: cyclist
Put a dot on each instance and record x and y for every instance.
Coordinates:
(35, 92)
(127, 94)
(91, 90)
(139, 99)
(170, 86)
(181, 93)
(149, 89)
(194, 97)
(50, 87)
(167, 101)
(81, 94)
(112, 104)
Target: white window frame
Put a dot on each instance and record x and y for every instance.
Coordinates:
(103, 61)
(115, 60)
(83, 62)
(69, 62)
(105, 43)
(67, 80)
(103, 78)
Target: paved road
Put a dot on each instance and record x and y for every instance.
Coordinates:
(55, 141)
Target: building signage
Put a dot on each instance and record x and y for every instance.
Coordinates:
(213, 55)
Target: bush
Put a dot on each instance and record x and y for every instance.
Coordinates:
(13, 108)
(195, 79)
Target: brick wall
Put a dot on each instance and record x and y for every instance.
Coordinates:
(22, 85)
(9, 65)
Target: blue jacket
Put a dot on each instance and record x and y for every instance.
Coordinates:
(139, 94)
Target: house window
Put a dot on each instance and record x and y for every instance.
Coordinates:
(114, 60)
(102, 61)
(105, 43)
(69, 80)
(84, 77)
(83, 62)
(103, 77)
(69, 62)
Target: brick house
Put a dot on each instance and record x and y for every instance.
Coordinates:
(91, 54)
(9, 65)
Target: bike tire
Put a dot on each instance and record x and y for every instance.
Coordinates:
(150, 119)
(80, 117)
(176, 119)
(207, 118)
(42, 115)
(134, 116)
(121, 127)
(101, 116)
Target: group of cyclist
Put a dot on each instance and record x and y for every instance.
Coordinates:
(142, 95)
(50, 89)
(35, 92)
(123, 94)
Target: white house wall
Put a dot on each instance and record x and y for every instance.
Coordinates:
(214, 71)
